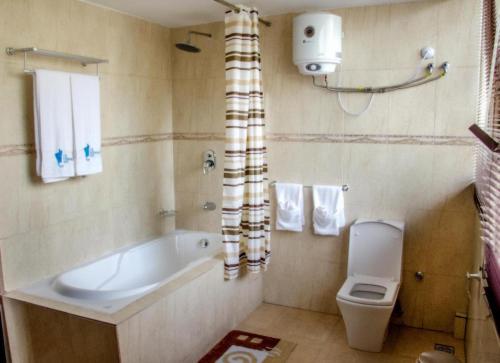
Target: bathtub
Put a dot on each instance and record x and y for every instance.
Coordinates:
(116, 280)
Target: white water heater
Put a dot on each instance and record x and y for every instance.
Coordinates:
(317, 43)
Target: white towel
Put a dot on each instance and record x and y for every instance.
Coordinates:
(290, 207)
(328, 214)
(53, 126)
(87, 123)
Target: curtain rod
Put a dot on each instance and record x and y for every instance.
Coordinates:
(237, 9)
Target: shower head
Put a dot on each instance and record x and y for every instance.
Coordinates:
(187, 46)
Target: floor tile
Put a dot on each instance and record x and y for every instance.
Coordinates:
(321, 338)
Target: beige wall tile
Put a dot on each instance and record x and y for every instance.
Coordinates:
(452, 177)
(16, 102)
(409, 177)
(412, 111)
(423, 185)
(10, 196)
(25, 23)
(46, 229)
(362, 49)
(456, 98)
(443, 296)
(412, 300)
(375, 119)
(413, 25)
(458, 33)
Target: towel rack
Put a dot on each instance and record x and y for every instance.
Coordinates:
(83, 60)
(345, 187)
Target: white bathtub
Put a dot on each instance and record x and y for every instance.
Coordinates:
(114, 281)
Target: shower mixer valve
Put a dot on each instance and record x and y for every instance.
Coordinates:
(209, 161)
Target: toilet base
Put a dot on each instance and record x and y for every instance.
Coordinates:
(366, 325)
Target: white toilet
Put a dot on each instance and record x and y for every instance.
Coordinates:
(367, 297)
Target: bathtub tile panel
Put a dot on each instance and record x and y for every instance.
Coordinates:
(174, 328)
(42, 335)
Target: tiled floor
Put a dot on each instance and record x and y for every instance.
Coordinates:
(321, 338)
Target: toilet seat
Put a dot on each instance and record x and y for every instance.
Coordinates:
(385, 290)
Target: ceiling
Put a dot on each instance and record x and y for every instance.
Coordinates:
(176, 13)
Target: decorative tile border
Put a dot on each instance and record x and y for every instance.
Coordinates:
(139, 139)
(348, 138)
(11, 150)
(200, 136)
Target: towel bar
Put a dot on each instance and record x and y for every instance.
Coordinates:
(345, 187)
(83, 60)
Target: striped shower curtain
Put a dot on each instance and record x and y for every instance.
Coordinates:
(245, 205)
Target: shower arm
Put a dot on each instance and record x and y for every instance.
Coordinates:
(408, 84)
(191, 32)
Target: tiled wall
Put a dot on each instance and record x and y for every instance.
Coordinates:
(409, 157)
(45, 229)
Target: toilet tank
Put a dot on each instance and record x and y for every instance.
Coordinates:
(376, 248)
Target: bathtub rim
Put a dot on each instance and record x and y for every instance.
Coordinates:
(136, 306)
(56, 283)
(128, 311)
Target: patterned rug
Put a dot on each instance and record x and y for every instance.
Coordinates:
(243, 347)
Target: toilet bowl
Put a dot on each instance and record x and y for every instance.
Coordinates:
(367, 297)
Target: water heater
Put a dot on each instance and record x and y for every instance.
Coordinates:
(317, 43)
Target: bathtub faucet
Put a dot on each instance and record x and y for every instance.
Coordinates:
(167, 213)
(209, 162)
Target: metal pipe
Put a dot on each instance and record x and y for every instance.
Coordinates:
(408, 84)
(238, 9)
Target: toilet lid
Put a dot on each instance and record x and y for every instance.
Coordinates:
(437, 357)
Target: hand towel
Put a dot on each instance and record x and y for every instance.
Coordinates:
(290, 207)
(53, 126)
(86, 123)
(328, 214)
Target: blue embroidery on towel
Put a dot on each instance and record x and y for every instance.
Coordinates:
(62, 158)
(90, 152)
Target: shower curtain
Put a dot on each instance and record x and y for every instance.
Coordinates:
(245, 205)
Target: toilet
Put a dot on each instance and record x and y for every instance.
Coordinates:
(367, 297)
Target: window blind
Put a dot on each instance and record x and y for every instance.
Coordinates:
(487, 168)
